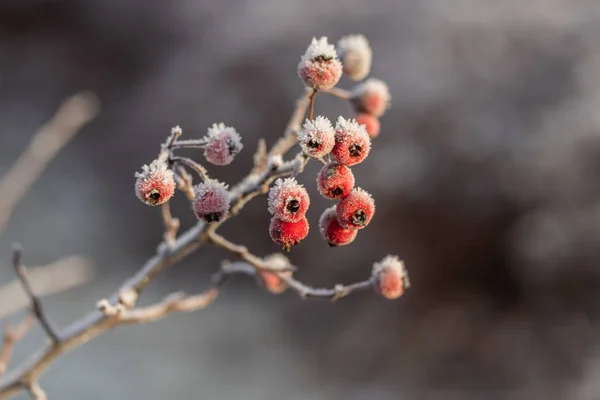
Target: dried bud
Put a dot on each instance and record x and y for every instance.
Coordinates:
(288, 234)
(319, 67)
(356, 56)
(356, 210)
(317, 138)
(155, 184)
(335, 181)
(371, 123)
(223, 143)
(270, 280)
(390, 277)
(371, 97)
(211, 201)
(288, 200)
(331, 230)
(352, 142)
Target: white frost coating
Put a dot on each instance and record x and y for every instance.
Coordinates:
(349, 127)
(318, 48)
(356, 55)
(319, 131)
(210, 185)
(277, 261)
(354, 43)
(372, 85)
(157, 168)
(218, 131)
(276, 200)
(319, 124)
(393, 263)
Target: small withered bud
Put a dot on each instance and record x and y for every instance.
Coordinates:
(288, 234)
(390, 278)
(356, 210)
(288, 200)
(319, 67)
(332, 231)
(335, 181)
(317, 137)
(155, 184)
(352, 142)
(356, 56)
(223, 143)
(371, 97)
(211, 200)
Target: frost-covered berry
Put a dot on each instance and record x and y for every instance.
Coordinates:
(332, 231)
(317, 137)
(223, 143)
(356, 56)
(356, 210)
(335, 181)
(371, 97)
(155, 184)
(371, 123)
(287, 233)
(352, 142)
(211, 201)
(270, 280)
(288, 200)
(319, 67)
(390, 278)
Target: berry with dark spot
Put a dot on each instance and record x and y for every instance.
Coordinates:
(356, 210)
(335, 181)
(332, 231)
(288, 200)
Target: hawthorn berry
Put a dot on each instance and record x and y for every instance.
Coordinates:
(332, 231)
(211, 200)
(371, 123)
(317, 137)
(371, 97)
(390, 278)
(335, 181)
(356, 56)
(223, 143)
(155, 184)
(356, 210)
(270, 280)
(287, 233)
(352, 142)
(288, 200)
(319, 67)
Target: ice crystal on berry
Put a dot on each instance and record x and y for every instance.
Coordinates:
(223, 143)
(317, 137)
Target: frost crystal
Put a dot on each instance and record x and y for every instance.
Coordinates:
(348, 126)
(211, 201)
(319, 67)
(372, 85)
(288, 200)
(391, 278)
(317, 138)
(319, 48)
(223, 143)
(155, 184)
(392, 262)
(356, 55)
(156, 168)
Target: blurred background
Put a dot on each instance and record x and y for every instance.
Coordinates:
(485, 178)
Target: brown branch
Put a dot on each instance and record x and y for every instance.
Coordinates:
(171, 224)
(71, 116)
(289, 138)
(311, 104)
(188, 162)
(11, 336)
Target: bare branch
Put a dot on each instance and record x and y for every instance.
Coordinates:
(11, 336)
(71, 116)
(188, 162)
(311, 104)
(289, 139)
(36, 304)
(171, 224)
(339, 93)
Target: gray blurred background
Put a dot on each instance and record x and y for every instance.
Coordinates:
(485, 177)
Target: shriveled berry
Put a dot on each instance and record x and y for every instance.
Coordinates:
(223, 143)
(335, 180)
(211, 201)
(371, 123)
(390, 278)
(356, 56)
(317, 137)
(352, 142)
(319, 67)
(155, 184)
(287, 233)
(288, 200)
(332, 231)
(356, 210)
(371, 97)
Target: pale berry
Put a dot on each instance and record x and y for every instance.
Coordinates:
(352, 142)
(356, 56)
(332, 231)
(211, 200)
(371, 97)
(371, 123)
(287, 233)
(317, 137)
(288, 200)
(319, 67)
(223, 143)
(390, 278)
(271, 280)
(155, 184)
(335, 181)
(356, 210)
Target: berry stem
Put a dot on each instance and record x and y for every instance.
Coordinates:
(193, 165)
(188, 144)
(311, 105)
(339, 93)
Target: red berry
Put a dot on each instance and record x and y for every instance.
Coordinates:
(319, 67)
(356, 210)
(352, 142)
(286, 233)
(288, 200)
(223, 143)
(356, 56)
(331, 230)
(317, 137)
(271, 280)
(390, 278)
(371, 123)
(211, 202)
(335, 181)
(155, 184)
(371, 97)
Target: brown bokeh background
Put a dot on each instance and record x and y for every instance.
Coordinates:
(485, 177)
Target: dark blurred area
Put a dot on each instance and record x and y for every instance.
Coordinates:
(484, 177)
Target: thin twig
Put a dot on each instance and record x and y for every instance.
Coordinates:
(311, 104)
(36, 304)
(185, 182)
(339, 93)
(188, 162)
(11, 336)
(289, 138)
(171, 224)
(188, 144)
